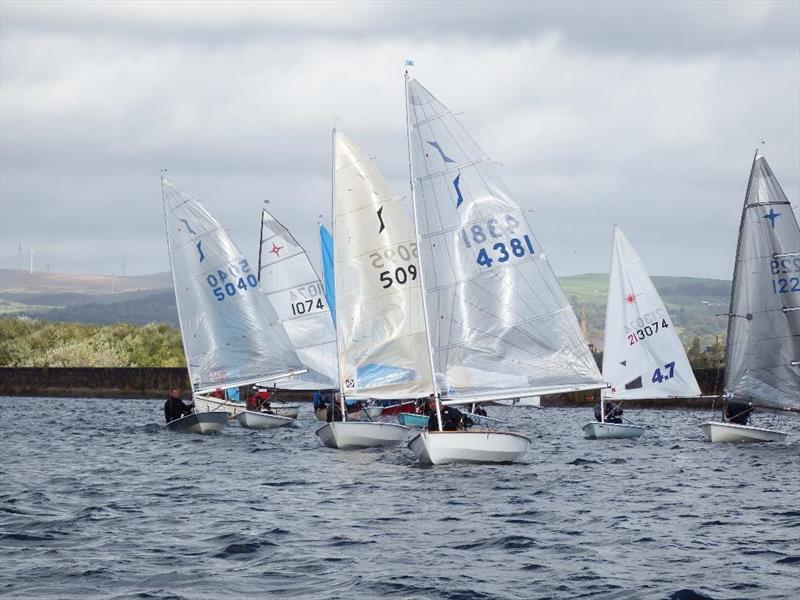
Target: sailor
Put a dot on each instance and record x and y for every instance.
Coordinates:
(174, 407)
(252, 400)
(262, 398)
(319, 400)
(477, 409)
(452, 418)
(738, 412)
(613, 412)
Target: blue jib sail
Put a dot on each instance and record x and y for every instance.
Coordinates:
(326, 243)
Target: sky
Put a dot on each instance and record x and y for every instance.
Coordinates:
(636, 113)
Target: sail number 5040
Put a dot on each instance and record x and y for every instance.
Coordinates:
(222, 288)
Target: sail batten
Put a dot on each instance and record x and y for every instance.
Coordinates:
(230, 330)
(762, 348)
(499, 322)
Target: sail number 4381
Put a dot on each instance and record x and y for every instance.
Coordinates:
(481, 236)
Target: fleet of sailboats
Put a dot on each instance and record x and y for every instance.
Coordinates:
(458, 305)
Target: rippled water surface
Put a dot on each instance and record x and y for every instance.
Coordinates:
(98, 500)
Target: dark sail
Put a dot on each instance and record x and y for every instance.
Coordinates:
(763, 353)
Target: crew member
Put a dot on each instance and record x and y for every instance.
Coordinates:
(738, 412)
(174, 407)
(613, 412)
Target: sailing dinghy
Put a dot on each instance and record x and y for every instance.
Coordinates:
(380, 323)
(230, 332)
(643, 357)
(763, 344)
(499, 324)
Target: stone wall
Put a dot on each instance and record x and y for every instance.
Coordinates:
(156, 383)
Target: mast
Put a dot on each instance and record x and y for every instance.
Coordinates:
(174, 284)
(260, 244)
(436, 393)
(343, 404)
(731, 316)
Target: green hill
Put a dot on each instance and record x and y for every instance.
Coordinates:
(693, 304)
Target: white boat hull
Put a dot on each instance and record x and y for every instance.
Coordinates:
(259, 420)
(608, 431)
(374, 412)
(441, 447)
(234, 408)
(200, 422)
(352, 435)
(290, 410)
(731, 432)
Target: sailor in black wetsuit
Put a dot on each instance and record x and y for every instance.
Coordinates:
(613, 412)
(452, 419)
(738, 412)
(174, 407)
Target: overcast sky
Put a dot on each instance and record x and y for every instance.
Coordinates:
(642, 114)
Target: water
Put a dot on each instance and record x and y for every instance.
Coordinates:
(99, 501)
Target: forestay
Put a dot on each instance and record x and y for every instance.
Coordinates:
(293, 288)
(763, 351)
(383, 349)
(230, 331)
(500, 324)
(643, 356)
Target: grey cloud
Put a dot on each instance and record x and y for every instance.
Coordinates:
(633, 27)
(92, 109)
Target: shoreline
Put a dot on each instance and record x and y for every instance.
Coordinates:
(154, 383)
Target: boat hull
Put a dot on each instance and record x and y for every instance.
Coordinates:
(731, 432)
(441, 447)
(611, 431)
(234, 408)
(200, 422)
(413, 420)
(353, 435)
(396, 409)
(258, 420)
(321, 414)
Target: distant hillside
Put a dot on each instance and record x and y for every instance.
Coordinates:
(91, 299)
(23, 282)
(692, 302)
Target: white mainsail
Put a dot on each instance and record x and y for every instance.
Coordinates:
(230, 332)
(643, 356)
(500, 325)
(763, 346)
(380, 322)
(294, 289)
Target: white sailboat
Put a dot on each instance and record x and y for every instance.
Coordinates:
(643, 357)
(380, 322)
(229, 330)
(763, 344)
(295, 290)
(499, 324)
